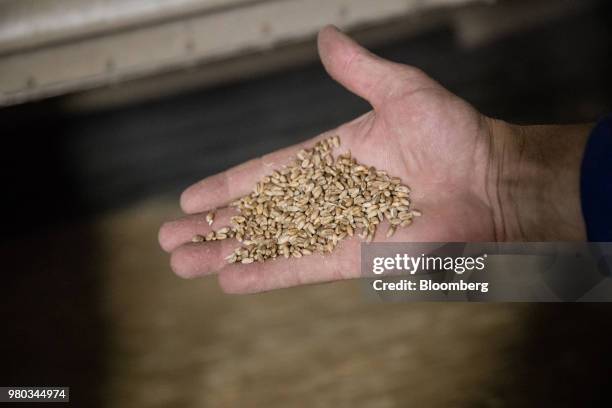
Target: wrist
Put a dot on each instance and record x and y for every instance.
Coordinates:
(535, 178)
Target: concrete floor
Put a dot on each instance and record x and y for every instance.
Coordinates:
(124, 331)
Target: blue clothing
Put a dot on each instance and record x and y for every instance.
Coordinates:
(596, 182)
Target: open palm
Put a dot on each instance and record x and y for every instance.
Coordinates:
(418, 131)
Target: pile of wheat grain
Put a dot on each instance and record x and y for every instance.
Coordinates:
(312, 204)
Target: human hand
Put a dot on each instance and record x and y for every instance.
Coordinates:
(474, 178)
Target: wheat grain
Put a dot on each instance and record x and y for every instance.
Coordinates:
(312, 204)
(210, 217)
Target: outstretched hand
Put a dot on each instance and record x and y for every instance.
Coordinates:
(454, 159)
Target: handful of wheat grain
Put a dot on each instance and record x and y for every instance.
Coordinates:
(312, 204)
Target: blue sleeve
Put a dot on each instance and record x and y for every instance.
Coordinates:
(596, 182)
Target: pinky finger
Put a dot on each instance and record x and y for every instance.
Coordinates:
(284, 273)
(193, 260)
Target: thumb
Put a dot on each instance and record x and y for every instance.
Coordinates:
(363, 73)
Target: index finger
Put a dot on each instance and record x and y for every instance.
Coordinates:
(222, 188)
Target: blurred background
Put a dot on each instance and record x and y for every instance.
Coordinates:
(109, 108)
